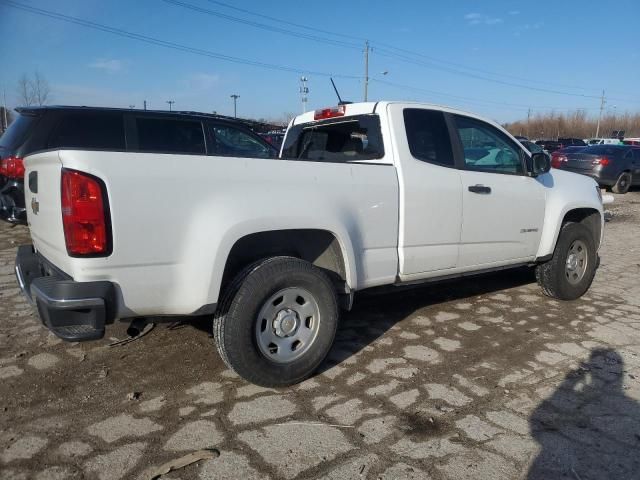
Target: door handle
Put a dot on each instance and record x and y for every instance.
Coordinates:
(480, 189)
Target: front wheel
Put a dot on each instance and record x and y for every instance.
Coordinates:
(569, 273)
(277, 321)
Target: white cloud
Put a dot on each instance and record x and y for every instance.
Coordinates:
(109, 66)
(481, 19)
(528, 26)
(514, 12)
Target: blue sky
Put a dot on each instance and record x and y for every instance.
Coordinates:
(473, 55)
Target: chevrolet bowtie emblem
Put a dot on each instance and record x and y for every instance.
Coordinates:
(35, 205)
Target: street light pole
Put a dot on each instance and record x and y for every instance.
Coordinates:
(235, 106)
(170, 102)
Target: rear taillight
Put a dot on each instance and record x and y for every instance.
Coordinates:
(338, 111)
(557, 160)
(12, 167)
(604, 161)
(85, 214)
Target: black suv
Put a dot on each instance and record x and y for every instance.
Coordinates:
(91, 128)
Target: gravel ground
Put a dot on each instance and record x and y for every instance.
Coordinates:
(479, 379)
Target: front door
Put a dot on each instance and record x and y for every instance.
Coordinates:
(503, 208)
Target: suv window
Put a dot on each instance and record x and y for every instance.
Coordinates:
(487, 149)
(428, 136)
(99, 130)
(168, 135)
(232, 141)
(339, 140)
(17, 132)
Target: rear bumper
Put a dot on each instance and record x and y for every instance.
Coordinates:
(603, 178)
(74, 311)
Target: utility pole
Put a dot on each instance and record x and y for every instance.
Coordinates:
(366, 70)
(304, 91)
(170, 102)
(235, 104)
(602, 103)
(528, 121)
(145, 104)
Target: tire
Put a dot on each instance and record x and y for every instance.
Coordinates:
(567, 278)
(623, 183)
(276, 321)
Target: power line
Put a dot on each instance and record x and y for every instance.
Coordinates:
(463, 98)
(285, 22)
(165, 43)
(387, 47)
(206, 53)
(262, 26)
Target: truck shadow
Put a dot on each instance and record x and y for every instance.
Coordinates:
(588, 428)
(375, 311)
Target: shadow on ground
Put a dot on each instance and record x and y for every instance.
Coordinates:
(376, 311)
(588, 429)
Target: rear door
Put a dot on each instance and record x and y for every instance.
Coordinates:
(430, 191)
(503, 209)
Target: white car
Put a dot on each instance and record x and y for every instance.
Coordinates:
(363, 195)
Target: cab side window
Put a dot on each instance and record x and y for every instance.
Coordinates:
(428, 136)
(487, 149)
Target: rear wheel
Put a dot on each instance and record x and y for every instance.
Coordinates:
(623, 183)
(277, 321)
(569, 273)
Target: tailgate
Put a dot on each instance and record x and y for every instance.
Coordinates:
(44, 212)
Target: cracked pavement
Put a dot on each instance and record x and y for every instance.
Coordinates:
(477, 379)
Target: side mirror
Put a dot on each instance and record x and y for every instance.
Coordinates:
(538, 164)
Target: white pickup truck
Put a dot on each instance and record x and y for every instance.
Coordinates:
(363, 195)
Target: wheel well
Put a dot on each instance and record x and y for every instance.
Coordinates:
(589, 217)
(319, 247)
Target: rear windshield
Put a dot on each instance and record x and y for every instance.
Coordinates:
(337, 140)
(17, 132)
(604, 150)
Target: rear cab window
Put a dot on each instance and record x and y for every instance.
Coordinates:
(338, 140)
(169, 135)
(89, 130)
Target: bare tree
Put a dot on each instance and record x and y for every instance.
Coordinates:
(33, 91)
(40, 89)
(25, 92)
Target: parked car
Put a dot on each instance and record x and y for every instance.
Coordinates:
(571, 142)
(614, 166)
(364, 195)
(112, 129)
(553, 145)
(603, 141)
(274, 138)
